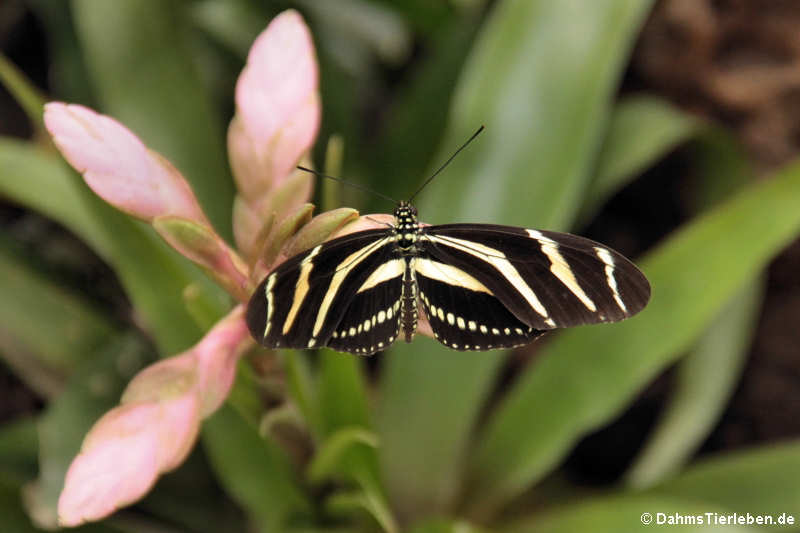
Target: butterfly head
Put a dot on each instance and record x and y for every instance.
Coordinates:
(406, 227)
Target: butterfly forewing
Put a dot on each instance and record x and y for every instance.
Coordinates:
(545, 279)
(302, 302)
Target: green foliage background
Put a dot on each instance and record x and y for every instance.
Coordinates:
(425, 446)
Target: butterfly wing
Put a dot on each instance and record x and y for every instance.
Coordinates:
(463, 313)
(332, 295)
(543, 279)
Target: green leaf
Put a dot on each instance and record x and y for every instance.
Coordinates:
(341, 392)
(442, 525)
(345, 503)
(31, 304)
(342, 404)
(764, 480)
(67, 75)
(301, 388)
(234, 23)
(416, 121)
(568, 392)
(254, 471)
(544, 100)
(430, 397)
(707, 375)
(141, 65)
(544, 122)
(190, 497)
(51, 189)
(360, 29)
(642, 129)
(11, 509)
(19, 447)
(327, 460)
(154, 275)
(23, 91)
(626, 512)
(706, 379)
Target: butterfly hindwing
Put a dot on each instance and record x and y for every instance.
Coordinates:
(463, 313)
(302, 302)
(371, 322)
(545, 279)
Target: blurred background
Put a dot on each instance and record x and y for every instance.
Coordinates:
(665, 129)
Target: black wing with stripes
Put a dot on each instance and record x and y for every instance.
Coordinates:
(517, 283)
(463, 314)
(343, 294)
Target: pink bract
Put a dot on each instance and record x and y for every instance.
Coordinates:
(277, 106)
(118, 166)
(154, 428)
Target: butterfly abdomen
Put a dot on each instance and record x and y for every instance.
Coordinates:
(408, 302)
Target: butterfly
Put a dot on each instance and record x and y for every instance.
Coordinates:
(481, 286)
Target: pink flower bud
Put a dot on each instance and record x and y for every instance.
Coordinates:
(277, 106)
(154, 428)
(118, 166)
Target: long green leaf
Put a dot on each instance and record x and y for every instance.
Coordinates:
(349, 503)
(706, 379)
(544, 122)
(764, 480)
(417, 119)
(32, 303)
(430, 397)
(26, 95)
(154, 275)
(341, 392)
(326, 461)
(342, 405)
(630, 513)
(142, 69)
(641, 130)
(254, 471)
(39, 179)
(540, 77)
(708, 374)
(442, 525)
(584, 377)
(18, 449)
(11, 509)
(189, 499)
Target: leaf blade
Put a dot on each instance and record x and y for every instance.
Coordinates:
(516, 450)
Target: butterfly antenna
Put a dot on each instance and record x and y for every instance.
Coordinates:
(427, 181)
(354, 185)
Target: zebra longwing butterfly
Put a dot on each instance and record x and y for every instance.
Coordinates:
(481, 287)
